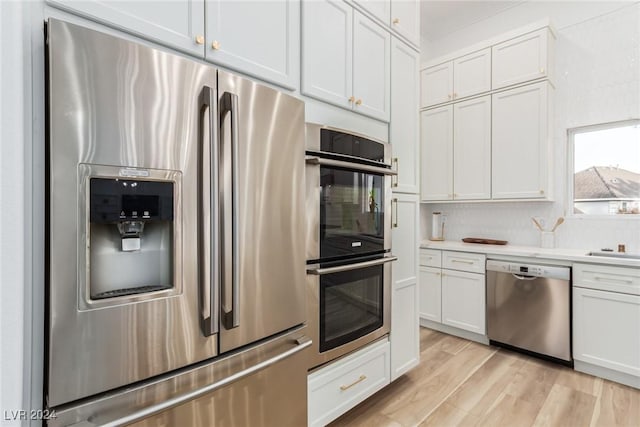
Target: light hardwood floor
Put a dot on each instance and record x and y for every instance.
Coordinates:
(463, 383)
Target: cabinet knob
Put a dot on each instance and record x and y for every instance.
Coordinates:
(541, 191)
(541, 70)
(351, 99)
(359, 101)
(199, 39)
(396, 20)
(215, 45)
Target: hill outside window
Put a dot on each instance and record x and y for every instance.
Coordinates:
(604, 169)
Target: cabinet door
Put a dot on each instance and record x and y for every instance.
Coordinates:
(404, 116)
(472, 149)
(404, 337)
(327, 31)
(381, 9)
(520, 143)
(436, 84)
(177, 24)
(437, 153)
(472, 74)
(463, 300)
(606, 329)
(521, 59)
(405, 19)
(371, 68)
(430, 294)
(260, 38)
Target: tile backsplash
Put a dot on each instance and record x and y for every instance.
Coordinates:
(597, 81)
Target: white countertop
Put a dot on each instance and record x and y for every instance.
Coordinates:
(564, 255)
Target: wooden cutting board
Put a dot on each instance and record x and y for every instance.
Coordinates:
(484, 241)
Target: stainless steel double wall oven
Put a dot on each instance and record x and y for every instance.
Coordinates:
(348, 203)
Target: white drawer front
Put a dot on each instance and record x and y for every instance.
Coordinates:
(463, 261)
(335, 389)
(431, 258)
(606, 278)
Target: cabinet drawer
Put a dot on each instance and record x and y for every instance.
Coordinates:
(606, 278)
(463, 261)
(430, 258)
(335, 389)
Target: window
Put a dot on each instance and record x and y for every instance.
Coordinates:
(604, 169)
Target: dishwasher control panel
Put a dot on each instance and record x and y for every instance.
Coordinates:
(530, 270)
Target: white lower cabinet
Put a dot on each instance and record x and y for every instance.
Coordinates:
(431, 294)
(340, 386)
(606, 322)
(463, 300)
(452, 291)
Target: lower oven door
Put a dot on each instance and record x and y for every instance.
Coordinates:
(348, 305)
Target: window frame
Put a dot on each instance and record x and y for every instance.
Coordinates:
(570, 172)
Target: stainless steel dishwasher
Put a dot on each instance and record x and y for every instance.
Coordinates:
(529, 308)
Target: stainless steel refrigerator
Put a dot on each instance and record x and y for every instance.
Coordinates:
(175, 243)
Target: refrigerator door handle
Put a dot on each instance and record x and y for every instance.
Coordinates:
(301, 344)
(209, 215)
(229, 104)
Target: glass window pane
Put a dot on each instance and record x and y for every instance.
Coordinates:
(606, 169)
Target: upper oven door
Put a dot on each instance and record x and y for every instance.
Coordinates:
(349, 207)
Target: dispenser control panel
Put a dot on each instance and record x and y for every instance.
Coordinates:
(117, 200)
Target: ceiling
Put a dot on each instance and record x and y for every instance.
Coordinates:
(442, 17)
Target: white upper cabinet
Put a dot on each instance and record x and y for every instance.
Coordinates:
(437, 153)
(327, 46)
(371, 68)
(472, 74)
(403, 129)
(456, 151)
(260, 38)
(346, 58)
(405, 19)
(465, 76)
(177, 24)
(381, 9)
(436, 84)
(520, 143)
(472, 149)
(523, 58)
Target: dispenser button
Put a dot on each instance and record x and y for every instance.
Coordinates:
(134, 214)
(122, 214)
(145, 214)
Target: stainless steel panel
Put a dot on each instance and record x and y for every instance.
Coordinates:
(532, 314)
(313, 308)
(119, 104)
(268, 248)
(275, 394)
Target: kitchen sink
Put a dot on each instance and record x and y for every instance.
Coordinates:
(615, 254)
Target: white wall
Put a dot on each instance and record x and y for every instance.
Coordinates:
(597, 81)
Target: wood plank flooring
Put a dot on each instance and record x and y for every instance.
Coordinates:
(462, 383)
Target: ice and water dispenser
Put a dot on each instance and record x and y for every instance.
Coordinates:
(130, 236)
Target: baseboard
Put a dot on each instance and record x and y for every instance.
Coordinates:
(606, 373)
(471, 336)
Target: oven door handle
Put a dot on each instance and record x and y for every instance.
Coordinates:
(341, 268)
(313, 160)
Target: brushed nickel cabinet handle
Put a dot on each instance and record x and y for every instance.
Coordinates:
(359, 380)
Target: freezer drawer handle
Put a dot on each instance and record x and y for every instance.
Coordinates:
(301, 344)
(341, 268)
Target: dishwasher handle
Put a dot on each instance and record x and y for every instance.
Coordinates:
(520, 277)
